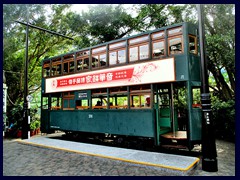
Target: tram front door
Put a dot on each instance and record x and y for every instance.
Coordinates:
(167, 116)
(166, 113)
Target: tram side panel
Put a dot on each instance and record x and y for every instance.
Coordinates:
(119, 122)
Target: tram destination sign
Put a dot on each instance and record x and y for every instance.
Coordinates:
(143, 73)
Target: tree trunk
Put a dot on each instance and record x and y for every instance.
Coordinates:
(226, 92)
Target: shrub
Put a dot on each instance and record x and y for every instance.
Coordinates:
(224, 118)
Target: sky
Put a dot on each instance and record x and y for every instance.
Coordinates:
(79, 7)
(84, 7)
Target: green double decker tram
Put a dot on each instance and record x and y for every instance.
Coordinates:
(144, 86)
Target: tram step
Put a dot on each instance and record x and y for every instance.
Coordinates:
(177, 146)
(178, 135)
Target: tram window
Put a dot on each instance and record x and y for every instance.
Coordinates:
(118, 98)
(68, 101)
(192, 44)
(141, 88)
(117, 45)
(175, 45)
(79, 64)
(175, 31)
(144, 51)
(122, 102)
(99, 98)
(56, 67)
(99, 49)
(68, 67)
(82, 60)
(117, 57)
(45, 103)
(121, 56)
(71, 66)
(82, 64)
(196, 98)
(86, 63)
(68, 63)
(99, 60)
(139, 52)
(113, 58)
(99, 103)
(65, 67)
(82, 104)
(138, 40)
(118, 90)
(133, 52)
(56, 102)
(140, 101)
(158, 49)
(103, 60)
(46, 69)
(158, 35)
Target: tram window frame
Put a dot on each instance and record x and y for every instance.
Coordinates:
(67, 97)
(176, 51)
(116, 61)
(84, 58)
(118, 90)
(139, 92)
(82, 104)
(171, 31)
(96, 54)
(56, 101)
(46, 69)
(119, 97)
(99, 58)
(140, 88)
(45, 104)
(117, 45)
(142, 100)
(118, 101)
(196, 97)
(158, 41)
(138, 40)
(99, 95)
(158, 35)
(68, 64)
(56, 67)
(195, 50)
(138, 57)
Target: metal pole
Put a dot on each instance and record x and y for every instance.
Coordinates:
(26, 115)
(42, 29)
(209, 153)
(26, 110)
(172, 108)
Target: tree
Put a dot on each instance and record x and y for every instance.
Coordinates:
(41, 45)
(104, 23)
(221, 47)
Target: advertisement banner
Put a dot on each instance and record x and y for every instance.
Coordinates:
(143, 73)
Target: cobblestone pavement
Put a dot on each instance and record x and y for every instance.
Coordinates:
(27, 160)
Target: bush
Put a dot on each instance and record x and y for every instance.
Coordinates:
(224, 118)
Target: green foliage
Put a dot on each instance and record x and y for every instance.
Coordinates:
(35, 124)
(224, 118)
(32, 125)
(15, 115)
(107, 22)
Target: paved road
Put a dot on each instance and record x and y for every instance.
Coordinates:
(27, 160)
